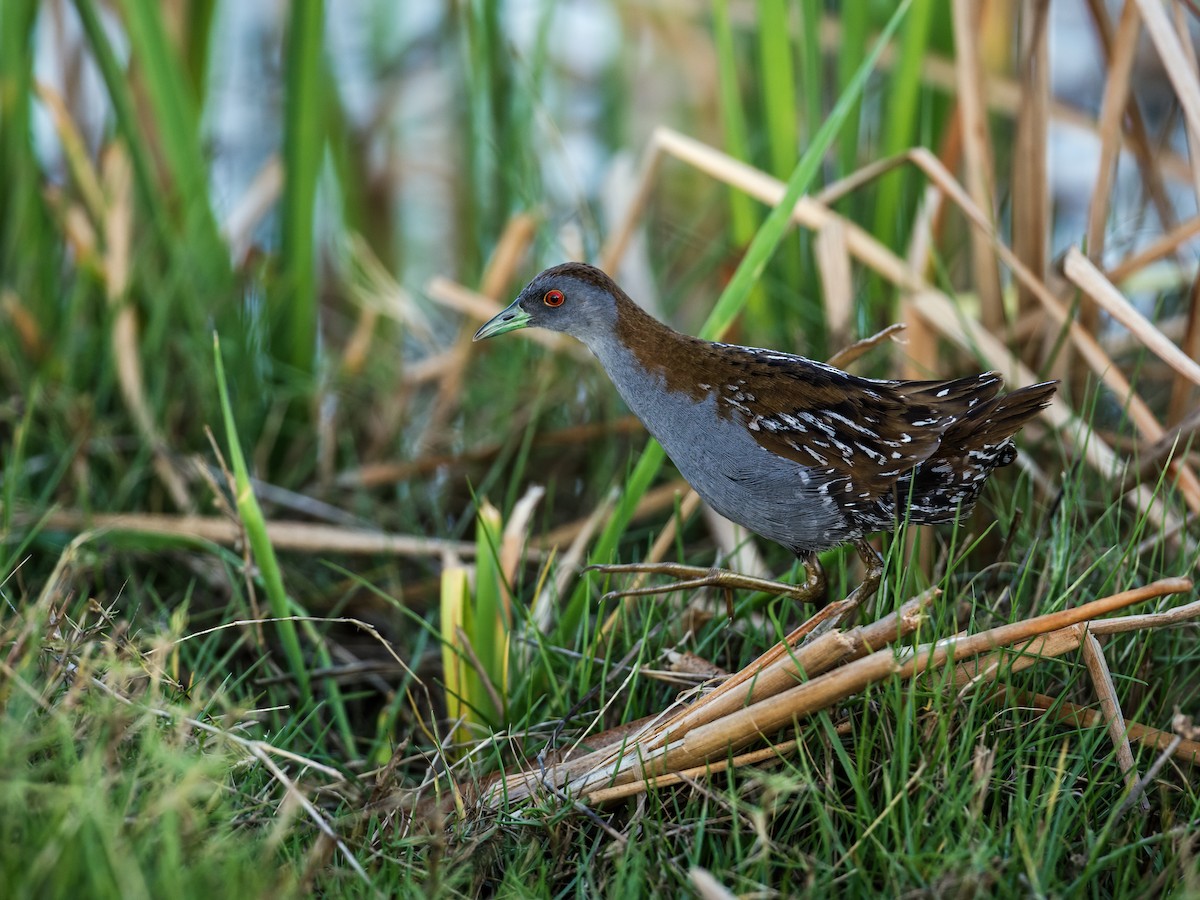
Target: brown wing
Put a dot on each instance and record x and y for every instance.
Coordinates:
(859, 432)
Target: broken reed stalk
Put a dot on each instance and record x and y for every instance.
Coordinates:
(1062, 641)
(284, 535)
(838, 664)
(778, 668)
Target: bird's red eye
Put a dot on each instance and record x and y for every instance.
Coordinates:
(554, 298)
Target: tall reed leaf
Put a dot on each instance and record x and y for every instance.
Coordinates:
(777, 81)
(743, 218)
(295, 308)
(177, 126)
(21, 233)
(260, 544)
(900, 123)
(128, 122)
(855, 21)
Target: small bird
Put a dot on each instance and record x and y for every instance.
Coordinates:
(794, 450)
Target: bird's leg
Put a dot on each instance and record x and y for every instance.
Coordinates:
(691, 577)
(874, 574)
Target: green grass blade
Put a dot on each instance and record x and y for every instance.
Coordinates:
(810, 60)
(743, 219)
(177, 131)
(743, 216)
(121, 97)
(855, 20)
(901, 122)
(777, 81)
(197, 36)
(177, 121)
(260, 544)
(295, 309)
(776, 225)
(23, 229)
(488, 635)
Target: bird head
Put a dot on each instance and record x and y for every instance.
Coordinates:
(574, 298)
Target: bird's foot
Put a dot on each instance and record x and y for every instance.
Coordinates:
(691, 577)
(873, 563)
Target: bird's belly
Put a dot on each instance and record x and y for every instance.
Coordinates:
(774, 497)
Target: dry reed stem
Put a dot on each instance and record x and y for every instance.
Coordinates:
(837, 282)
(988, 667)
(428, 368)
(1004, 96)
(512, 546)
(1057, 643)
(1155, 250)
(847, 356)
(253, 205)
(1189, 52)
(1031, 204)
(1174, 60)
(118, 234)
(780, 667)
(920, 359)
(706, 885)
(514, 242)
(78, 233)
(619, 238)
(1122, 624)
(977, 155)
(732, 732)
(1112, 115)
(1089, 279)
(75, 152)
(766, 754)
(29, 332)
(1147, 152)
(1110, 707)
(1183, 395)
(284, 535)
